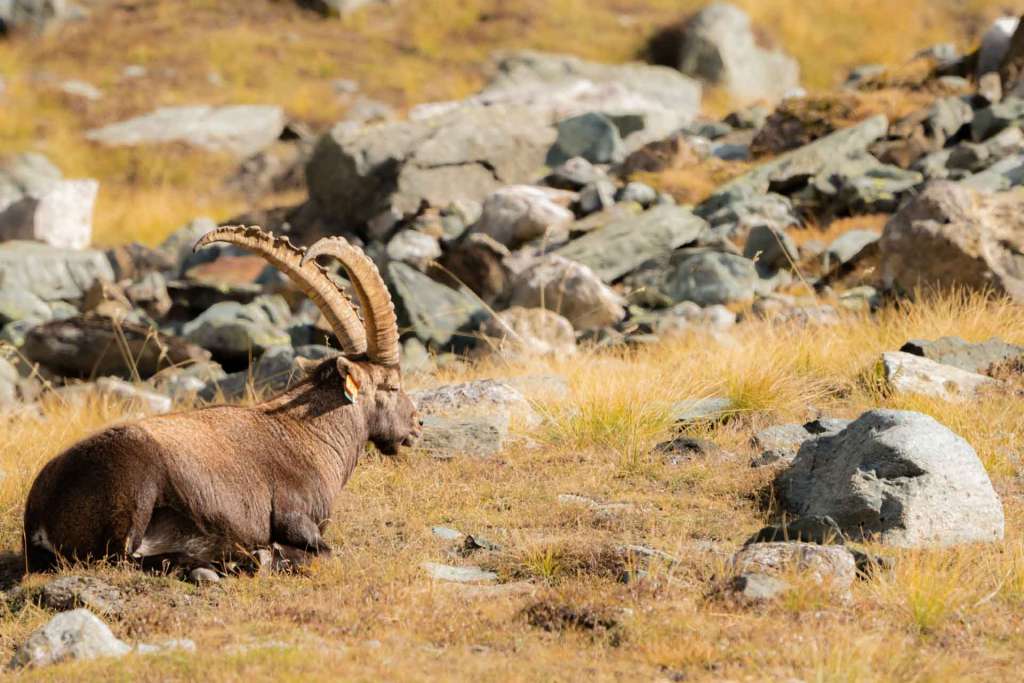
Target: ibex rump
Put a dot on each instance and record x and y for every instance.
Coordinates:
(198, 487)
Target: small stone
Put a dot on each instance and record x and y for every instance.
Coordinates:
(477, 435)
(203, 575)
(831, 564)
(756, 588)
(470, 574)
(592, 136)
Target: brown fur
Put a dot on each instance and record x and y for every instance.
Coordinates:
(199, 487)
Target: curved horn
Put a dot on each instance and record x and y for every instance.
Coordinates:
(374, 298)
(309, 277)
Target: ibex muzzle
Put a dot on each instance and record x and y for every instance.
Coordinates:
(197, 488)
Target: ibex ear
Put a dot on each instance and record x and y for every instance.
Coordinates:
(350, 378)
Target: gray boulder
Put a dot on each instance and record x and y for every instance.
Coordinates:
(241, 130)
(996, 118)
(899, 476)
(625, 243)
(387, 171)
(592, 136)
(951, 236)
(980, 357)
(233, 331)
(436, 314)
(74, 635)
(61, 216)
(710, 277)
(570, 289)
(49, 272)
(645, 103)
(719, 46)
(779, 443)
(772, 248)
(338, 8)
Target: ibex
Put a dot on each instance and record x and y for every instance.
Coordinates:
(195, 488)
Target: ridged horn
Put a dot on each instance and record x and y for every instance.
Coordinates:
(309, 277)
(374, 298)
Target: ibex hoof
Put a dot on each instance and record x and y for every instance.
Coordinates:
(203, 575)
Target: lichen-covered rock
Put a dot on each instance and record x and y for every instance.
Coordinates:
(896, 475)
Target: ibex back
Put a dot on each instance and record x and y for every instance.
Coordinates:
(201, 487)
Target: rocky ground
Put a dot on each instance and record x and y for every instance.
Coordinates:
(706, 397)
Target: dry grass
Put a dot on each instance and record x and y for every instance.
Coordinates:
(371, 613)
(197, 51)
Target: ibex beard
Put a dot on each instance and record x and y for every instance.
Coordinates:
(199, 488)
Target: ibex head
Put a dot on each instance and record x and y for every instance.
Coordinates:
(368, 374)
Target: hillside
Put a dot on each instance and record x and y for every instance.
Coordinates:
(266, 52)
(613, 340)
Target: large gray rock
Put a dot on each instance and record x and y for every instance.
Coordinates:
(520, 213)
(645, 103)
(719, 46)
(436, 314)
(624, 244)
(979, 358)
(950, 236)
(737, 218)
(241, 130)
(570, 289)
(592, 136)
(360, 174)
(801, 163)
(711, 277)
(899, 476)
(75, 635)
(910, 374)
(51, 273)
(233, 331)
(339, 8)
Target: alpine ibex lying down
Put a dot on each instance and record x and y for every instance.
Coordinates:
(196, 488)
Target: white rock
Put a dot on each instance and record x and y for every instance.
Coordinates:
(60, 216)
(907, 373)
(78, 634)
